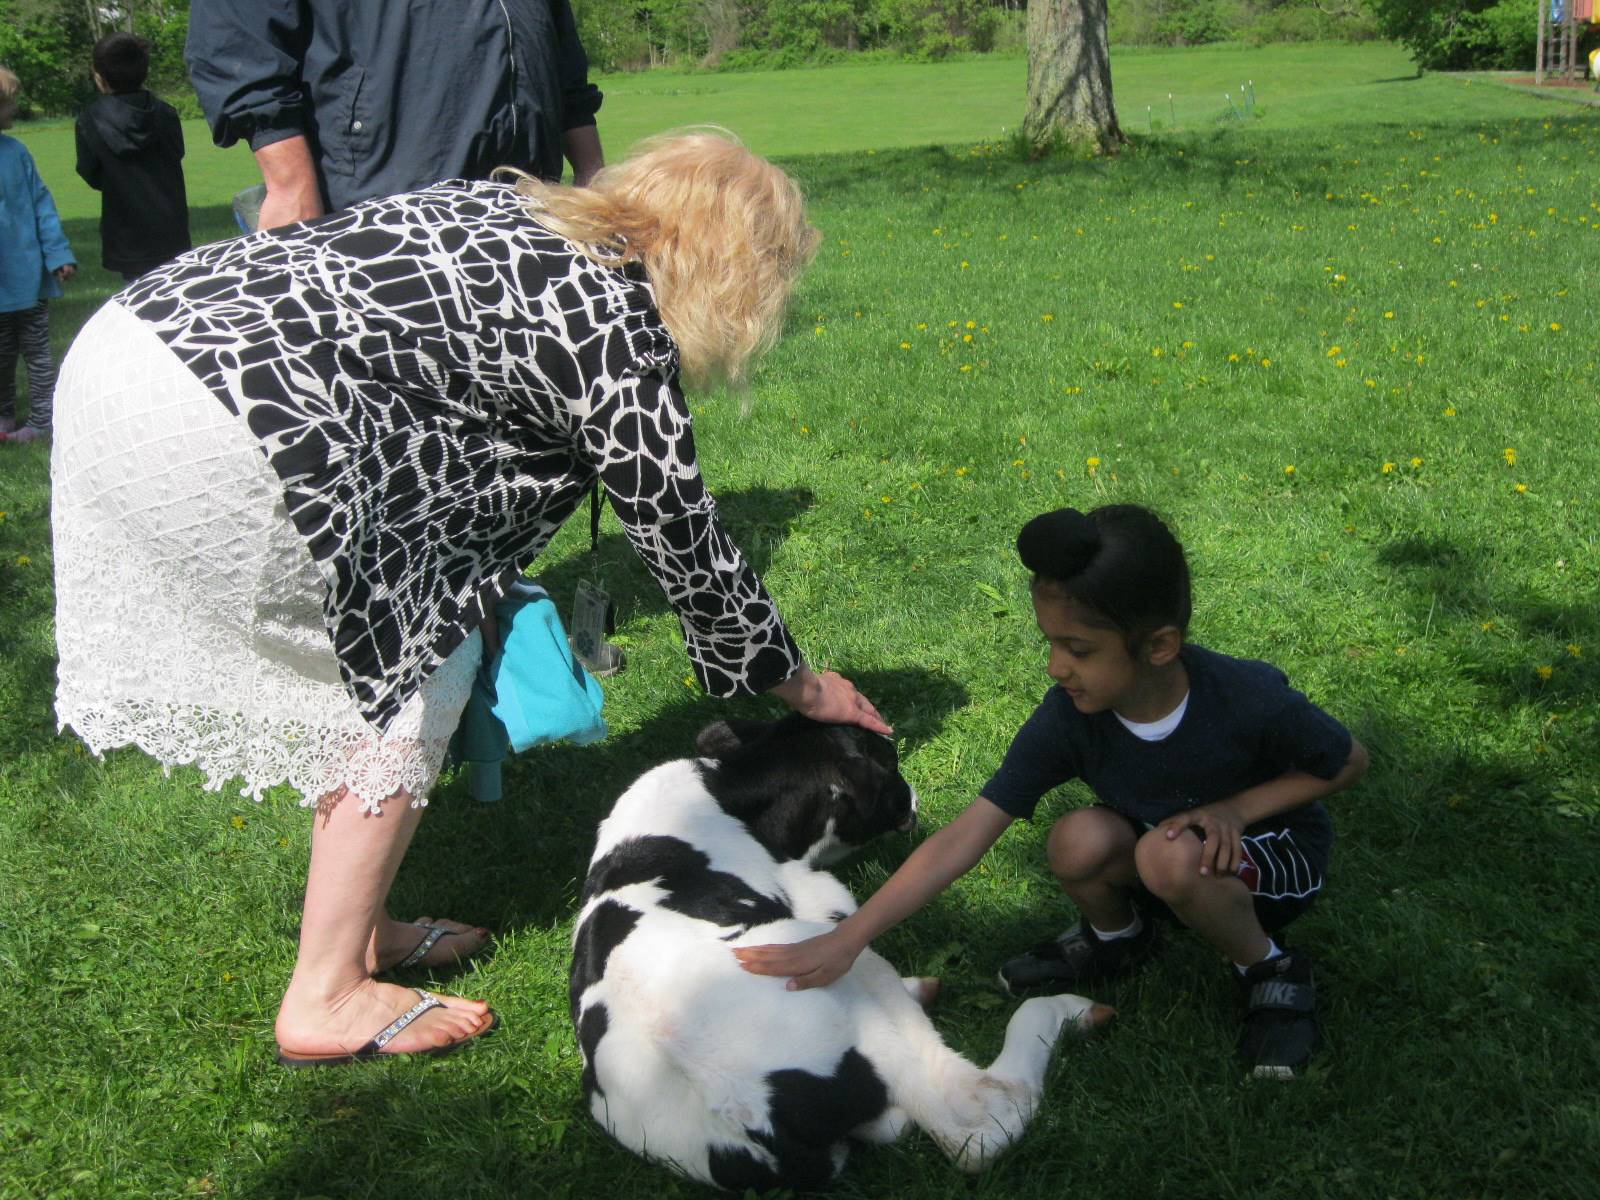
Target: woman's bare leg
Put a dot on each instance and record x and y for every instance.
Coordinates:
(333, 1005)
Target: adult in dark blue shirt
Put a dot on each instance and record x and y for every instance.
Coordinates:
(344, 100)
(1209, 772)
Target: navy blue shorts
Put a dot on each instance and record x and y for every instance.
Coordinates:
(1283, 875)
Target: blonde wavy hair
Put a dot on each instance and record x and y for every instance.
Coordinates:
(721, 233)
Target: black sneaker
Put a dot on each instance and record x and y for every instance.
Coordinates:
(1076, 957)
(1280, 1019)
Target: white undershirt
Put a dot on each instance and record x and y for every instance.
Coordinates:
(1155, 731)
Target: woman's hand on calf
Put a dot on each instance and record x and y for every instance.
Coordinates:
(830, 697)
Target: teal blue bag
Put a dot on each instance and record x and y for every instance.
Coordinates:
(532, 693)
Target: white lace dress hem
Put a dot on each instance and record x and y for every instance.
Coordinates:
(188, 610)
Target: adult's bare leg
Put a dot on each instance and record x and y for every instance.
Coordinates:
(333, 1005)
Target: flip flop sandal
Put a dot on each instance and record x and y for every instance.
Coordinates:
(420, 950)
(374, 1048)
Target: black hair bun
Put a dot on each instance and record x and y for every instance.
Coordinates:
(1059, 544)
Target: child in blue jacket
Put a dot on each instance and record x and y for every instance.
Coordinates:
(35, 260)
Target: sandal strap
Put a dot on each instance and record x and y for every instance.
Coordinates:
(388, 1033)
(1282, 995)
(435, 932)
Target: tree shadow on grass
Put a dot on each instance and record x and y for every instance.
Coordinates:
(1226, 158)
(1465, 586)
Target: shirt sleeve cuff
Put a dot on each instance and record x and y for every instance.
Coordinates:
(263, 136)
(579, 106)
(741, 668)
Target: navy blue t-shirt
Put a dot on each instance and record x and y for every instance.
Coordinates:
(1243, 726)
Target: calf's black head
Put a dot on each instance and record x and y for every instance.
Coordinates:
(805, 789)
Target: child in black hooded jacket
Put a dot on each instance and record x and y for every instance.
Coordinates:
(130, 149)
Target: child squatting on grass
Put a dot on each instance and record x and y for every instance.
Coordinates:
(1209, 773)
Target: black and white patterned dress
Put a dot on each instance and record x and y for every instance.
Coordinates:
(311, 457)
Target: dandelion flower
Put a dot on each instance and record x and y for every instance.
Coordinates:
(1544, 671)
(1450, 412)
(1574, 649)
(1177, 304)
(1555, 326)
(1048, 317)
(960, 471)
(23, 560)
(1521, 488)
(1092, 461)
(905, 345)
(1289, 470)
(1415, 463)
(1388, 468)
(1510, 455)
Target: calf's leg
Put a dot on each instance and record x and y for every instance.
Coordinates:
(983, 1112)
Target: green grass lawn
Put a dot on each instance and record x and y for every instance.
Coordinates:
(1349, 349)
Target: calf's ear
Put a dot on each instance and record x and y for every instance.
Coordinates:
(721, 738)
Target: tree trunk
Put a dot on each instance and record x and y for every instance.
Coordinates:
(721, 21)
(1069, 78)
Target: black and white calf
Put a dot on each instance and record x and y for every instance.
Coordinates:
(726, 1076)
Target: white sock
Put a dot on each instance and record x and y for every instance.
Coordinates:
(1132, 929)
(1273, 950)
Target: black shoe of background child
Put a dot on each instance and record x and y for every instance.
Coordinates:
(1280, 1024)
(1076, 957)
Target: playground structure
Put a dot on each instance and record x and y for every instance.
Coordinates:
(1557, 54)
